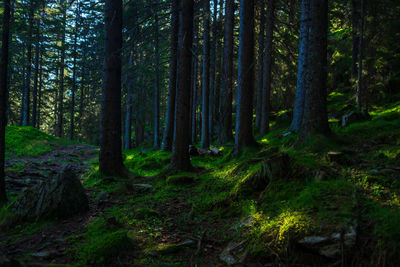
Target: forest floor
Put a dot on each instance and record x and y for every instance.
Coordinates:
(331, 201)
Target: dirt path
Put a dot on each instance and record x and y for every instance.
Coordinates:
(47, 245)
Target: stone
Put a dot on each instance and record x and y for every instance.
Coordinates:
(142, 187)
(61, 197)
(226, 255)
(172, 248)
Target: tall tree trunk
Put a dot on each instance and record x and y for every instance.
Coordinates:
(27, 89)
(267, 69)
(170, 116)
(315, 118)
(260, 64)
(180, 150)
(212, 72)
(3, 97)
(74, 82)
(60, 114)
(156, 144)
(244, 107)
(129, 105)
(35, 83)
(360, 89)
(302, 74)
(355, 18)
(205, 130)
(225, 134)
(219, 67)
(38, 120)
(110, 159)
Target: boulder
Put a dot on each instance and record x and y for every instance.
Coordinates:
(61, 197)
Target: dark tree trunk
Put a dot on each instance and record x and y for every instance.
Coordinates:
(244, 107)
(267, 69)
(260, 64)
(110, 159)
(302, 74)
(129, 105)
(195, 85)
(212, 72)
(355, 18)
(60, 111)
(35, 83)
(170, 116)
(180, 159)
(219, 67)
(360, 85)
(156, 144)
(3, 97)
(315, 118)
(38, 121)
(225, 134)
(205, 131)
(74, 82)
(27, 89)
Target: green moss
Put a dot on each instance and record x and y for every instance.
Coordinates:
(180, 179)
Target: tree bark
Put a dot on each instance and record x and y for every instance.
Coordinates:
(27, 89)
(129, 105)
(355, 18)
(170, 116)
(205, 130)
(3, 97)
(360, 89)
(156, 144)
(267, 69)
(60, 111)
(260, 64)
(110, 159)
(315, 118)
(244, 107)
(302, 74)
(35, 83)
(180, 159)
(225, 134)
(212, 72)
(74, 82)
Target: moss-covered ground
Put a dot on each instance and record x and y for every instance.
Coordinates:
(265, 200)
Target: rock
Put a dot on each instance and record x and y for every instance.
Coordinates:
(249, 221)
(194, 151)
(330, 245)
(354, 116)
(143, 187)
(226, 255)
(286, 134)
(45, 254)
(61, 197)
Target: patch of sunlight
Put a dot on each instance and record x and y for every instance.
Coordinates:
(265, 141)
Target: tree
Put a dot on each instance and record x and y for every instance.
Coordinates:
(244, 107)
(360, 89)
(180, 159)
(315, 118)
(157, 84)
(110, 159)
(205, 130)
(36, 78)
(170, 115)
(260, 63)
(225, 134)
(60, 115)
(3, 96)
(26, 93)
(302, 74)
(267, 70)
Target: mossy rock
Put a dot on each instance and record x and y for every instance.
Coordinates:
(180, 180)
